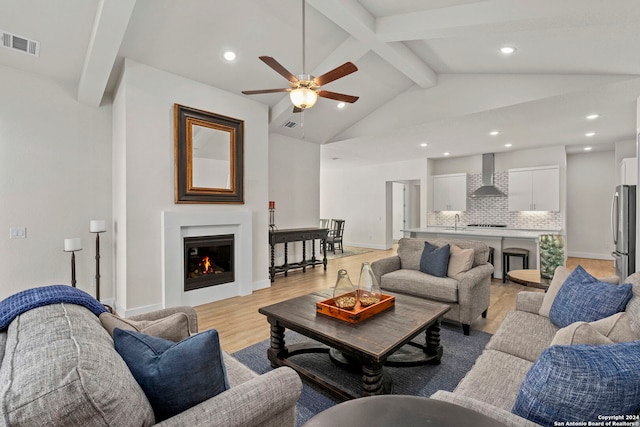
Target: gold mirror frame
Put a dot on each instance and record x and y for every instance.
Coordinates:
(187, 121)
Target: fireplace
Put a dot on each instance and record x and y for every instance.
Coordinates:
(208, 261)
(176, 226)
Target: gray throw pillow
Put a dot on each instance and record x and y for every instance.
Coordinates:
(461, 260)
(174, 327)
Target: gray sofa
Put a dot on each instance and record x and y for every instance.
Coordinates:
(59, 368)
(492, 385)
(466, 293)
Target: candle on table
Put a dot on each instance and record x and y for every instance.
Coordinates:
(97, 226)
(71, 245)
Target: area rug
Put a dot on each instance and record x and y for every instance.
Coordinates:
(348, 251)
(460, 352)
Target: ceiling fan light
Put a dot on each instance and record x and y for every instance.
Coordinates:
(303, 97)
(507, 50)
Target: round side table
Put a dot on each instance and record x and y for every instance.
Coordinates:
(529, 278)
(400, 410)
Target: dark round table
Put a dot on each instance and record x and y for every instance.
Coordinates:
(400, 410)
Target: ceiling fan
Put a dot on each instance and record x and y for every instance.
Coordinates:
(304, 88)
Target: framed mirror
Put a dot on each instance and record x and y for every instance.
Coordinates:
(209, 157)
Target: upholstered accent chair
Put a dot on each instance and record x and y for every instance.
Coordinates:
(465, 291)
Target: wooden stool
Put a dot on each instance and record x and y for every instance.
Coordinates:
(491, 255)
(507, 254)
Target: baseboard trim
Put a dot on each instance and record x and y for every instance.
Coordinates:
(261, 284)
(590, 255)
(366, 245)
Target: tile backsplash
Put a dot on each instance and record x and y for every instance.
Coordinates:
(495, 210)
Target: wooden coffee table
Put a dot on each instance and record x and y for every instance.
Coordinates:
(371, 342)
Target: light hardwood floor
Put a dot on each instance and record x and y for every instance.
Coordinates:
(240, 325)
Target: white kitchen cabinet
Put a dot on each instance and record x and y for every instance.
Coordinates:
(534, 189)
(450, 192)
(629, 171)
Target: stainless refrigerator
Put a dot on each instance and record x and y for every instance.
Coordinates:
(623, 228)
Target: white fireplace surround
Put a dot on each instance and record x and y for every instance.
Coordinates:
(178, 225)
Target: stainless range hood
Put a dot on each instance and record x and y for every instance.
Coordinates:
(487, 189)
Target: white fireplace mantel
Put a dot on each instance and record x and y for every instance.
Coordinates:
(178, 225)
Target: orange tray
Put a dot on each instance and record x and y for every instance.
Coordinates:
(358, 314)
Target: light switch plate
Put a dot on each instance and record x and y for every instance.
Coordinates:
(18, 233)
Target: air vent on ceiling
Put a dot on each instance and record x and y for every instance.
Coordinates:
(20, 44)
(289, 124)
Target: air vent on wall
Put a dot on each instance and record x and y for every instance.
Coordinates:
(20, 44)
(290, 124)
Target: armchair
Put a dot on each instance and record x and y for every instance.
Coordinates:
(467, 293)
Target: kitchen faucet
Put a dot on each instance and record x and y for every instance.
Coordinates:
(456, 220)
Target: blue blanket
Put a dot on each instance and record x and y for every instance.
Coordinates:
(24, 301)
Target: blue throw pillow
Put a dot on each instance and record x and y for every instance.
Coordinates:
(579, 382)
(583, 298)
(174, 376)
(435, 260)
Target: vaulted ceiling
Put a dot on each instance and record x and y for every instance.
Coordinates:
(429, 71)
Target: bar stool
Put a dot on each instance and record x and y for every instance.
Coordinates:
(507, 254)
(491, 250)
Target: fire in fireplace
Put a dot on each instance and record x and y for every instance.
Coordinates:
(208, 261)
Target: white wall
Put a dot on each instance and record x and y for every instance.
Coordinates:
(362, 197)
(399, 215)
(143, 152)
(55, 177)
(591, 179)
(625, 149)
(294, 182)
(466, 164)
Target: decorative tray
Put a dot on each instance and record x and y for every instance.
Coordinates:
(328, 307)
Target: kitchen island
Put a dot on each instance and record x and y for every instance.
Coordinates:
(498, 238)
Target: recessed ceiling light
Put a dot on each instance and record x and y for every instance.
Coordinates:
(341, 105)
(229, 55)
(589, 134)
(494, 133)
(507, 50)
(592, 116)
(424, 144)
(507, 145)
(587, 148)
(446, 154)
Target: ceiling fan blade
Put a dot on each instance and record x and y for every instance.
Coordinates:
(297, 109)
(338, 96)
(338, 72)
(278, 68)
(256, 92)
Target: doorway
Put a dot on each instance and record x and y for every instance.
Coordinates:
(404, 208)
